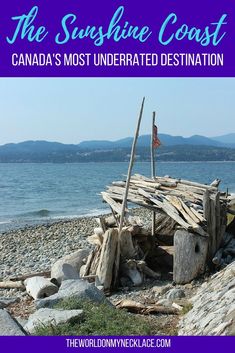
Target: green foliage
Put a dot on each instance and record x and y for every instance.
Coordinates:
(97, 320)
(186, 308)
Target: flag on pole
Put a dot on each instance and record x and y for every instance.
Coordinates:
(156, 141)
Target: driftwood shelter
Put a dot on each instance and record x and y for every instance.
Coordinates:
(190, 223)
(188, 227)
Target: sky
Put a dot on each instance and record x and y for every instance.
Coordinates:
(73, 110)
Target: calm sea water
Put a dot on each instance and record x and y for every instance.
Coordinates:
(35, 193)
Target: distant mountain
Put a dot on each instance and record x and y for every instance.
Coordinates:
(228, 139)
(166, 140)
(173, 148)
(35, 146)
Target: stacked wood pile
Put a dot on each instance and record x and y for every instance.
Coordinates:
(134, 244)
(198, 209)
(182, 200)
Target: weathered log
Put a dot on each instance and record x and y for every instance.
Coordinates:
(127, 249)
(199, 185)
(138, 308)
(12, 285)
(190, 256)
(117, 207)
(40, 287)
(28, 275)
(87, 266)
(95, 260)
(107, 258)
(215, 183)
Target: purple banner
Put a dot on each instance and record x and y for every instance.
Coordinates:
(153, 38)
(121, 344)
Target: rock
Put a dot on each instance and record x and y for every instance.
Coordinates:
(21, 321)
(70, 288)
(75, 260)
(47, 316)
(175, 293)
(188, 285)
(213, 307)
(5, 301)
(161, 290)
(68, 272)
(9, 326)
(40, 287)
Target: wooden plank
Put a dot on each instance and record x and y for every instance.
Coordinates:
(218, 221)
(32, 274)
(198, 215)
(107, 258)
(189, 212)
(212, 226)
(167, 208)
(178, 204)
(199, 185)
(115, 206)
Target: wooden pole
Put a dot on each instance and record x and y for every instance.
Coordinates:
(130, 167)
(124, 202)
(153, 169)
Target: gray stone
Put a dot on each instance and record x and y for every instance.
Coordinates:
(47, 316)
(161, 290)
(68, 273)
(213, 310)
(75, 260)
(6, 301)
(175, 293)
(21, 321)
(9, 326)
(40, 287)
(70, 288)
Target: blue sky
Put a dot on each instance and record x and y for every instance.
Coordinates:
(72, 110)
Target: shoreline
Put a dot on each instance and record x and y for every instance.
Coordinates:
(35, 248)
(15, 225)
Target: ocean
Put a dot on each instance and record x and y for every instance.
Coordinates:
(39, 193)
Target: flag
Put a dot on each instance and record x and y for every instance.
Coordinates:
(156, 141)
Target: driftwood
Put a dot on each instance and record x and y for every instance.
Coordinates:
(189, 257)
(12, 285)
(181, 200)
(107, 257)
(33, 274)
(138, 308)
(199, 210)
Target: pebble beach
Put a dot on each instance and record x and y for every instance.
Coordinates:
(35, 248)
